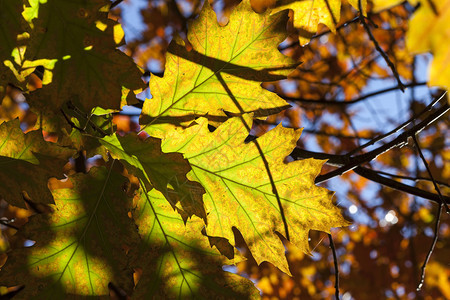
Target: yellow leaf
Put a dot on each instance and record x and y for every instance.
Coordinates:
(239, 192)
(27, 162)
(309, 13)
(429, 30)
(380, 5)
(223, 71)
(177, 260)
(438, 277)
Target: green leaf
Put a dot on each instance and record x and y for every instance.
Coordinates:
(27, 162)
(164, 171)
(223, 71)
(89, 70)
(239, 192)
(11, 24)
(89, 128)
(81, 246)
(179, 262)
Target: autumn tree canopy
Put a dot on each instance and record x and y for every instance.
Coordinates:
(187, 149)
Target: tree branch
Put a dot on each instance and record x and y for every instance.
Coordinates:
(400, 140)
(349, 102)
(374, 176)
(379, 49)
(115, 3)
(433, 244)
(400, 127)
(336, 266)
(436, 187)
(417, 178)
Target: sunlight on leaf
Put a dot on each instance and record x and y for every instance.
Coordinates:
(81, 246)
(90, 71)
(239, 193)
(242, 54)
(179, 262)
(164, 171)
(429, 30)
(11, 24)
(309, 13)
(27, 162)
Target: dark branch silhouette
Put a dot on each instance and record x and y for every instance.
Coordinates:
(336, 266)
(379, 49)
(348, 102)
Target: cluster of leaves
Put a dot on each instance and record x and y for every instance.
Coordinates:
(175, 226)
(157, 214)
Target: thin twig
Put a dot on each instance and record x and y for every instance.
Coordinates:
(379, 49)
(295, 43)
(349, 102)
(8, 224)
(433, 7)
(400, 127)
(115, 3)
(433, 244)
(375, 177)
(436, 187)
(400, 140)
(336, 267)
(417, 178)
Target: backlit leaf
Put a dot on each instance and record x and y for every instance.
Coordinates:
(309, 13)
(379, 5)
(179, 262)
(89, 70)
(11, 24)
(238, 189)
(27, 162)
(164, 171)
(429, 30)
(222, 72)
(81, 246)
